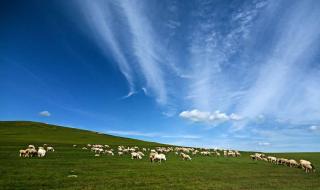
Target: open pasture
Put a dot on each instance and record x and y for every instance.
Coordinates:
(121, 172)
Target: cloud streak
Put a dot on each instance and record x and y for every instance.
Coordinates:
(209, 117)
(151, 135)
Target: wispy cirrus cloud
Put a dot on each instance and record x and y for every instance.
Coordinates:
(97, 15)
(145, 47)
(151, 135)
(256, 58)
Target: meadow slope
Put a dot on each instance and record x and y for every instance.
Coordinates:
(114, 172)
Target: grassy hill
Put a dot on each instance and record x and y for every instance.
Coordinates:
(114, 172)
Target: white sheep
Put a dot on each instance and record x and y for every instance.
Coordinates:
(185, 157)
(135, 155)
(159, 157)
(109, 152)
(307, 166)
(23, 153)
(41, 152)
(50, 148)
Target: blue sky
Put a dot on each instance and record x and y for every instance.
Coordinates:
(230, 74)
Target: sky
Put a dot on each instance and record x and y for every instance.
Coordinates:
(221, 74)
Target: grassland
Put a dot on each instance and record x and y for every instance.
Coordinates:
(107, 172)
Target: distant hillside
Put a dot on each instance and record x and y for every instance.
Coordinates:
(35, 132)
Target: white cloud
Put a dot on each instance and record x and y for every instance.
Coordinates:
(209, 117)
(315, 128)
(264, 143)
(45, 113)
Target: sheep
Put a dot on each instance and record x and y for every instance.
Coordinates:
(120, 153)
(23, 153)
(109, 152)
(74, 146)
(97, 155)
(293, 163)
(225, 153)
(84, 148)
(41, 152)
(32, 152)
(50, 148)
(140, 153)
(231, 153)
(307, 166)
(272, 159)
(253, 157)
(135, 155)
(31, 146)
(185, 157)
(205, 153)
(152, 156)
(280, 160)
(159, 157)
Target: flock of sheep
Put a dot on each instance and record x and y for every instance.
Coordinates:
(31, 151)
(158, 154)
(306, 165)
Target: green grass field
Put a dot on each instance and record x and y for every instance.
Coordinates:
(114, 172)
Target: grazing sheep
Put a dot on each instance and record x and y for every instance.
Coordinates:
(159, 157)
(41, 152)
(84, 148)
(185, 156)
(32, 152)
(50, 148)
(74, 146)
(253, 157)
(140, 153)
(272, 159)
(135, 155)
(152, 156)
(225, 153)
(109, 152)
(293, 163)
(23, 153)
(120, 153)
(97, 155)
(307, 166)
(231, 153)
(31, 146)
